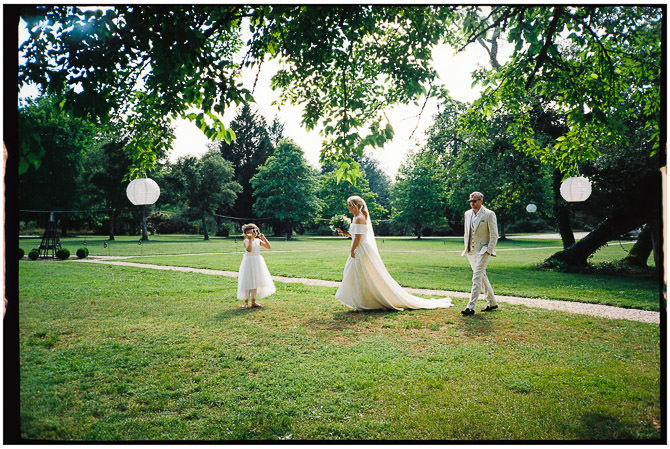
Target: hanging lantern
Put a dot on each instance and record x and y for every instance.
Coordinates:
(143, 191)
(576, 189)
(531, 208)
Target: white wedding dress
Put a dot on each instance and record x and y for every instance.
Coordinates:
(367, 285)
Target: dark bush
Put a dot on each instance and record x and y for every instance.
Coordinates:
(529, 225)
(223, 230)
(323, 230)
(163, 223)
(63, 254)
(388, 228)
(82, 252)
(439, 230)
(33, 254)
(21, 253)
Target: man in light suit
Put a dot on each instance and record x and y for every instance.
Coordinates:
(481, 236)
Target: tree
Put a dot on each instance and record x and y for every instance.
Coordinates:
(135, 65)
(107, 168)
(599, 68)
(418, 195)
(276, 132)
(579, 61)
(344, 63)
(250, 150)
(207, 185)
(333, 196)
(380, 183)
(545, 122)
(55, 182)
(490, 164)
(626, 195)
(285, 187)
(640, 251)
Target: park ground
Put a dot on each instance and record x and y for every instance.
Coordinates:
(125, 353)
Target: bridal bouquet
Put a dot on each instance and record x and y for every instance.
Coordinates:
(340, 221)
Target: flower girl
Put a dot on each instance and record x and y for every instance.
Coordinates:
(254, 279)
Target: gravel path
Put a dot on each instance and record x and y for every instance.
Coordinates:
(599, 310)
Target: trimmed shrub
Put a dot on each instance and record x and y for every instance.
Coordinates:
(21, 253)
(63, 254)
(82, 252)
(33, 254)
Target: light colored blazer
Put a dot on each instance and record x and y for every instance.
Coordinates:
(485, 235)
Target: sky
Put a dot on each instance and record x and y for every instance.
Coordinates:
(454, 70)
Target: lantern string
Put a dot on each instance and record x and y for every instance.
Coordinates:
(64, 211)
(244, 218)
(251, 219)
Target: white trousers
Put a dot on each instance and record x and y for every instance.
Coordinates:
(480, 281)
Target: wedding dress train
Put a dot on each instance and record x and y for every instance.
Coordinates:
(367, 285)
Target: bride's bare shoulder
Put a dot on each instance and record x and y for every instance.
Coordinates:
(359, 219)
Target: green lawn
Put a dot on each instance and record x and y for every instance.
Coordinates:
(427, 263)
(119, 353)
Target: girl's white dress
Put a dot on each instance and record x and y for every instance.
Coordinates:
(367, 285)
(254, 274)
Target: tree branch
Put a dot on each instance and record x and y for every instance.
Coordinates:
(558, 12)
(507, 13)
(493, 51)
(421, 112)
(600, 44)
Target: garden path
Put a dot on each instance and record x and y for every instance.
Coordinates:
(598, 310)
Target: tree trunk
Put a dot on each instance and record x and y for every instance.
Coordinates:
(612, 227)
(145, 237)
(417, 231)
(289, 230)
(657, 244)
(204, 228)
(112, 219)
(562, 213)
(503, 236)
(639, 253)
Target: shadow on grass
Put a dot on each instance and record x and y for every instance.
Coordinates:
(235, 312)
(348, 318)
(478, 324)
(348, 315)
(596, 426)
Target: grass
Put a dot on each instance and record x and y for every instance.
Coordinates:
(119, 353)
(428, 263)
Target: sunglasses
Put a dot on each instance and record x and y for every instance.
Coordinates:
(474, 201)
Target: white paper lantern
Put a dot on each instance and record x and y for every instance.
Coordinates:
(576, 189)
(143, 191)
(531, 208)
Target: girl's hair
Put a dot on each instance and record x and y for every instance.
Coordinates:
(249, 227)
(360, 203)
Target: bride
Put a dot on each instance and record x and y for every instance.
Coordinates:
(366, 284)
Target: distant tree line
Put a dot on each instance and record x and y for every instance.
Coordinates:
(262, 175)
